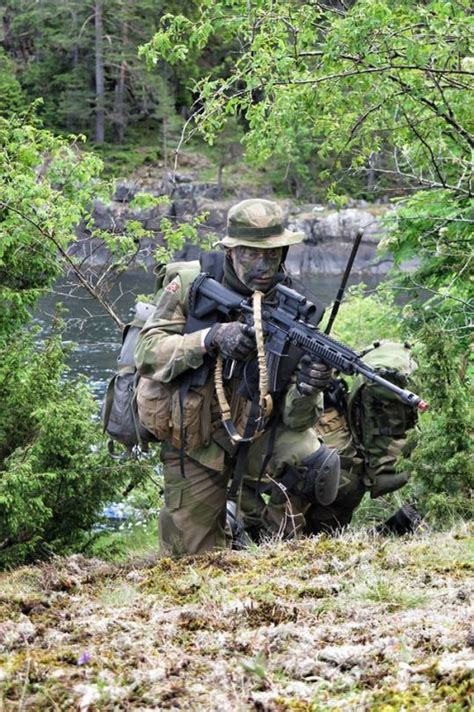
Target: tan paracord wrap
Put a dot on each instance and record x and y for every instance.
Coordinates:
(265, 400)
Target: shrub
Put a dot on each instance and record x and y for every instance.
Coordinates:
(54, 474)
(441, 464)
(367, 317)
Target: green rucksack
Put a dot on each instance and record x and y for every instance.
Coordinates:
(378, 420)
(119, 409)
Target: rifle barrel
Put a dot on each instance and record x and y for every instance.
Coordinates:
(346, 361)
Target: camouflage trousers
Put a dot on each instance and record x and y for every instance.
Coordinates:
(193, 519)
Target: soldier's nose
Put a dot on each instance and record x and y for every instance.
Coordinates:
(262, 265)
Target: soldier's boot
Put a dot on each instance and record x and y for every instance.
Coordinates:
(406, 520)
(234, 524)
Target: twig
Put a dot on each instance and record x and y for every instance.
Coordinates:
(67, 259)
(289, 516)
(21, 704)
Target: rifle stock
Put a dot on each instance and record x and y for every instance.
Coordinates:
(285, 323)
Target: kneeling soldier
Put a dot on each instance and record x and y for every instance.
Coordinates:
(177, 401)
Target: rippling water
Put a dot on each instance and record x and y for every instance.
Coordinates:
(97, 339)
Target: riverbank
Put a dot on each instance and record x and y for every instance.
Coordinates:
(329, 232)
(350, 623)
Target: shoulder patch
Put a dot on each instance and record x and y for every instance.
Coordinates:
(172, 287)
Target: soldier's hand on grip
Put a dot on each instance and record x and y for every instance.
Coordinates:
(234, 340)
(312, 376)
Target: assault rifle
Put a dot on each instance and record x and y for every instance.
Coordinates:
(286, 322)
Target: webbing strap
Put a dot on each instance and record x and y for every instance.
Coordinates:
(265, 399)
(238, 470)
(266, 402)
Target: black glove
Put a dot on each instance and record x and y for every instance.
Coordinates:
(312, 376)
(234, 340)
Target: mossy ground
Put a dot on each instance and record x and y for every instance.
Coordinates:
(349, 623)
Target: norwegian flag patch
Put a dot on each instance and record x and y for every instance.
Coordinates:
(172, 287)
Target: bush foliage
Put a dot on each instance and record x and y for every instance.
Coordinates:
(54, 475)
(441, 464)
(365, 317)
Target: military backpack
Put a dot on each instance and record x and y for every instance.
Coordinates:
(378, 420)
(119, 409)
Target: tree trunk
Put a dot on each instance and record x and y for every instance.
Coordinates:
(120, 120)
(371, 172)
(99, 75)
(220, 176)
(164, 129)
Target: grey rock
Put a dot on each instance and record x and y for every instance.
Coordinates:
(210, 191)
(329, 233)
(184, 209)
(125, 192)
(152, 217)
(184, 178)
(104, 217)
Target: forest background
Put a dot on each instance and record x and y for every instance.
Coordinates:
(321, 100)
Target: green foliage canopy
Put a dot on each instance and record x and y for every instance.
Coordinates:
(378, 87)
(54, 472)
(380, 73)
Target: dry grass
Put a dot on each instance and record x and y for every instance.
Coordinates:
(351, 623)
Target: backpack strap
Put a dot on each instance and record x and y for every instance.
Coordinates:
(212, 263)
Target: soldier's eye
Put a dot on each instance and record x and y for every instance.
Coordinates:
(248, 253)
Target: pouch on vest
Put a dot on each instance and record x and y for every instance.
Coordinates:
(154, 407)
(119, 409)
(378, 420)
(180, 411)
(333, 430)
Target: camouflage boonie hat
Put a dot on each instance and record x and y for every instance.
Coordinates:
(258, 223)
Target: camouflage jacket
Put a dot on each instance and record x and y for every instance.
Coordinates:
(164, 352)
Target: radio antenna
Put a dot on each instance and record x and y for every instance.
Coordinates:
(345, 277)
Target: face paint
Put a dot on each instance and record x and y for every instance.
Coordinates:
(255, 267)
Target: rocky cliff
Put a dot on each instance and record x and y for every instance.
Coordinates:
(329, 233)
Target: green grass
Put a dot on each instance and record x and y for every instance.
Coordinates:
(118, 546)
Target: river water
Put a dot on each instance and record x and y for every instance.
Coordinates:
(96, 339)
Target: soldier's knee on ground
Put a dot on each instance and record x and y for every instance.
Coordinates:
(193, 519)
(317, 478)
(338, 514)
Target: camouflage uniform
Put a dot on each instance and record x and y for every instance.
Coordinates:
(198, 456)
